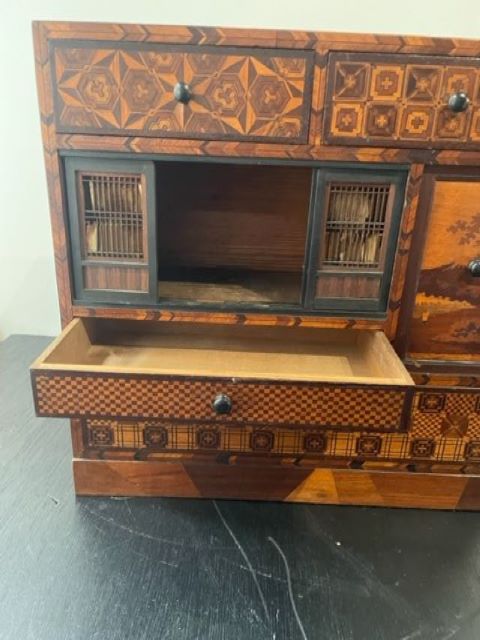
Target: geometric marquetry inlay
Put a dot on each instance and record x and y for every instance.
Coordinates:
(254, 402)
(444, 427)
(236, 93)
(395, 100)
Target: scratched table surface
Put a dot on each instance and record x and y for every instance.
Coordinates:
(108, 569)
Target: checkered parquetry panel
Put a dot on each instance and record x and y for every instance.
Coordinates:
(71, 395)
(439, 413)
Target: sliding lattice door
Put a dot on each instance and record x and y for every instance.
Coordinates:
(112, 220)
(354, 239)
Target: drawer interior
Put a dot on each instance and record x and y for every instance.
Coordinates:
(277, 353)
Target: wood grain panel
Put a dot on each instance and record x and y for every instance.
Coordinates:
(347, 286)
(289, 484)
(115, 278)
(404, 251)
(244, 216)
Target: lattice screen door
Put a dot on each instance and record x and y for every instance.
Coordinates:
(354, 239)
(112, 227)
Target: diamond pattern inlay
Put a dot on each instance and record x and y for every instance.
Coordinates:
(115, 89)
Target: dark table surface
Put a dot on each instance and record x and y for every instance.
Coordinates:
(168, 569)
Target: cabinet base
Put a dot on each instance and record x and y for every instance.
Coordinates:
(190, 479)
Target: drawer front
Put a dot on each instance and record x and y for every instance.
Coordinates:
(401, 101)
(106, 395)
(444, 428)
(119, 438)
(233, 93)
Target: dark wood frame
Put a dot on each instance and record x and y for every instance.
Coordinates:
(196, 478)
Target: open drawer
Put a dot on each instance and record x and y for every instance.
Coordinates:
(233, 375)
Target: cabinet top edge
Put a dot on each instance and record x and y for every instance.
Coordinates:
(253, 36)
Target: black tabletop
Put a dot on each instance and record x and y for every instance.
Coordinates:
(169, 569)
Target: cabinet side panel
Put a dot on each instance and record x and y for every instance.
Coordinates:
(53, 169)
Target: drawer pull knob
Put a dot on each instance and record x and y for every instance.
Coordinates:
(474, 267)
(222, 404)
(458, 102)
(182, 92)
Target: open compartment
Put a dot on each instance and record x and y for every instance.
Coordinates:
(275, 353)
(231, 233)
(226, 235)
(259, 375)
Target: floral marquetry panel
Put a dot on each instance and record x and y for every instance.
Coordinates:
(393, 100)
(234, 93)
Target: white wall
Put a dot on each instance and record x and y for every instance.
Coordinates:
(28, 300)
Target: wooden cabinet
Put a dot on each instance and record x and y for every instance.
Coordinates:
(244, 222)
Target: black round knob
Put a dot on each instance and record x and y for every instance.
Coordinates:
(474, 267)
(182, 92)
(458, 102)
(222, 404)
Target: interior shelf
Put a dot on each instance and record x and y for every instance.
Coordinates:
(235, 287)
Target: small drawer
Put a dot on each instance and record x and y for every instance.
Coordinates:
(182, 91)
(444, 428)
(228, 375)
(403, 101)
(124, 439)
